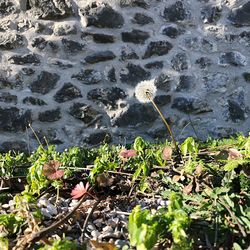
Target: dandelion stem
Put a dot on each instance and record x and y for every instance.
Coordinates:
(164, 121)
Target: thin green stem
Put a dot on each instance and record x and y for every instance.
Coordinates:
(164, 121)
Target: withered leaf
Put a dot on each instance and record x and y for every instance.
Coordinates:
(103, 245)
(176, 178)
(233, 154)
(188, 189)
(51, 170)
(104, 180)
(167, 153)
(198, 169)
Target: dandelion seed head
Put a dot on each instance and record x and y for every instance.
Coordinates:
(144, 90)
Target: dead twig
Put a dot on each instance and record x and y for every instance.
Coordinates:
(35, 237)
(87, 219)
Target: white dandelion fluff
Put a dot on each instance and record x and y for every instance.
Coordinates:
(144, 90)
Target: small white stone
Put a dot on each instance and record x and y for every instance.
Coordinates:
(95, 234)
(107, 229)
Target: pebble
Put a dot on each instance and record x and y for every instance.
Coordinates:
(95, 234)
(113, 222)
(43, 202)
(107, 229)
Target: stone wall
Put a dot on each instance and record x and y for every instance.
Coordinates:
(70, 67)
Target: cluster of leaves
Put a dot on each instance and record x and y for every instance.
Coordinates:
(210, 183)
(146, 229)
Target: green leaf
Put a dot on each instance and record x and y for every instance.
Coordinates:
(236, 246)
(4, 244)
(189, 146)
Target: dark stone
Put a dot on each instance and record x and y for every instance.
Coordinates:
(221, 132)
(54, 46)
(236, 112)
(50, 115)
(135, 36)
(67, 92)
(128, 53)
(175, 12)
(203, 62)
(85, 113)
(98, 138)
(171, 31)
(245, 35)
(186, 83)
(24, 59)
(88, 76)
(163, 82)
(100, 56)
(14, 119)
(216, 82)
(158, 48)
(45, 82)
(15, 146)
(180, 62)
(62, 64)
(241, 16)
(102, 16)
(39, 42)
(28, 71)
(159, 134)
(30, 100)
(137, 113)
(103, 38)
(51, 9)
(233, 58)
(246, 76)
(162, 100)
(6, 83)
(190, 105)
(64, 30)
(107, 96)
(10, 41)
(8, 98)
(7, 7)
(142, 19)
(134, 74)
(41, 28)
(134, 3)
(211, 14)
(111, 75)
(154, 65)
(72, 46)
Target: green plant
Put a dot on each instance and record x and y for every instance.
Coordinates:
(146, 229)
(61, 245)
(11, 223)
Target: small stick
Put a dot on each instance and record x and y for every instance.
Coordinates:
(87, 219)
(37, 236)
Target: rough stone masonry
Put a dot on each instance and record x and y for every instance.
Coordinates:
(69, 68)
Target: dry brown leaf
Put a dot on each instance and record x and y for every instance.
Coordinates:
(176, 178)
(167, 153)
(197, 186)
(188, 189)
(233, 154)
(199, 169)
(104, 180)
(103, 245)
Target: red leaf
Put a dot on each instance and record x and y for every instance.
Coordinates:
(167, 153)
(51, 170)
(79, 190)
